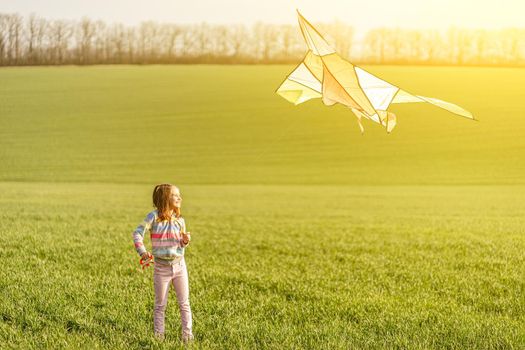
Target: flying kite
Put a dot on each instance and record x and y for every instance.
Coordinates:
(324, 74)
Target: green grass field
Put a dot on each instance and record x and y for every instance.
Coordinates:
(306, 235)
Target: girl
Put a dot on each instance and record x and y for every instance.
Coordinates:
(168, 240)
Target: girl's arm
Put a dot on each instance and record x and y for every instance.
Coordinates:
(138, 234)
(185, 236)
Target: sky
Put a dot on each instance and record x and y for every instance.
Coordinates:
(362, 15)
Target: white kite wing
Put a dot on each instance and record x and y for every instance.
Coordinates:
(379, 92)
(405, 97)
(300, 86)
(451, 107)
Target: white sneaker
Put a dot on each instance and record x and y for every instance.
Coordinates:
(187, 338)
(159, 336)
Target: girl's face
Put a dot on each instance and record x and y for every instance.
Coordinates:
(175, 197)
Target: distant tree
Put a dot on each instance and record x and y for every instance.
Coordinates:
(59, 36)
(130, 39)
(100, 42)
(187, 42)
(170, 34)
(201, 37)
(513, 44)
(460, 40)
(32, 29)
(284, 41)
(433, 47)
(3, 38)
(116, 43)
(376, 45)
(220, 43)
(14, 38)
(239, 40)
(84, 36)
(263, 37)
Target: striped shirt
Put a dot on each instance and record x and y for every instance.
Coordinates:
(166, 238)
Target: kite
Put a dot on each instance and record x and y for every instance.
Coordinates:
(324, 74)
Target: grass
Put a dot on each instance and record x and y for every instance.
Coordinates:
(225, 125)
(306, 234)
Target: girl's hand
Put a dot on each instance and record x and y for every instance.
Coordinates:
(146, 259)
(186, 238)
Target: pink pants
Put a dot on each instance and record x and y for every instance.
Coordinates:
(163, 276)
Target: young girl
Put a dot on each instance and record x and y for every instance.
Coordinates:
(168, 239)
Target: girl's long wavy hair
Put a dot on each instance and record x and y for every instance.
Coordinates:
(162, 201)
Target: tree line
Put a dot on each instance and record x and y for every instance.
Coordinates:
(39, 41)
